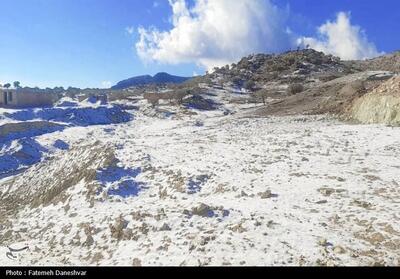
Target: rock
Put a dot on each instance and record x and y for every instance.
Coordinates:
(97, 257)
(326, 191)
(266, 195)
(238, 228)
(203, 210)
(165, 227)
(89, 241)
(322, 202)
(339, 250)
(376, 238)
(88, 232)
(8, 234)
(136, 262)
(271, 224)
(363, 204)
(381, 105)
(117, 230)
(244, 194)
(323, 242)
(144, 228)
(128, 234)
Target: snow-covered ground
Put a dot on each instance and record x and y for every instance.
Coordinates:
(206, 188)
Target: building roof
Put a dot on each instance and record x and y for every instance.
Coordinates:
(8, 89)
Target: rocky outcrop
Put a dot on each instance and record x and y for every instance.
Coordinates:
(381, 105)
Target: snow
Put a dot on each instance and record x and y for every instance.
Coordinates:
(278, 191)
(21, 126)
(195, 184)
(84, 116)
(120, 181)
(62, 145)
(19, 154)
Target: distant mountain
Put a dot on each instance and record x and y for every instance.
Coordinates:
(159, 78)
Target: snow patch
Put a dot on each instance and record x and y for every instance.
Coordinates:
(120, 181)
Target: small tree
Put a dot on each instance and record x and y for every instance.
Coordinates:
(154, 102)
(262, 95)
(7, 85)
(152, 98)
(17, 84)
(295, 88)
(249, 85)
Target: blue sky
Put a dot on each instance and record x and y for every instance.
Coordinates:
(85, 43)
(380, 19)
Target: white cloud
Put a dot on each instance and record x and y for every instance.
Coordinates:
(216, 32)
(130, 30)
(106, 84)
(219, 32)
(342, 39)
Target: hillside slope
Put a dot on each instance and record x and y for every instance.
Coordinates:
(304, 66)
(381, 105)
(389, 62)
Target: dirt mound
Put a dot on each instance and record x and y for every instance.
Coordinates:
(77, 116)
(50, 179)
(381, 105)
(11, 131)
(18, 149)
(21, 154)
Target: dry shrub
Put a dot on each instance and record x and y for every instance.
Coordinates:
(295, 88)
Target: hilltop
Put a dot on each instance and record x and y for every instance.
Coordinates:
(306, 66)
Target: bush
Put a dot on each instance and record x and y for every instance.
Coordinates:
(249, 85)
(295, 88)
(152, 98)
(262, 95)
(237, 81)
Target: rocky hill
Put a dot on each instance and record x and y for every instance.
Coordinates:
(303, 66)
(310, 82)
